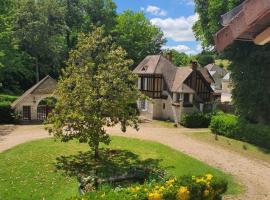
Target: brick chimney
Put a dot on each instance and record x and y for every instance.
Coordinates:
(194, 65)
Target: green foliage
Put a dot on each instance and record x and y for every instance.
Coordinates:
(82, 15)
(200, 187)
(205, 58)
(179, 58)
(7, 98)
(97, 89)
(250, 63)
(15, 66)
(6, 113)
(40, 33)
(196, 120)
(237, 128)
(135, 33)
(225, 124)
(38, 29)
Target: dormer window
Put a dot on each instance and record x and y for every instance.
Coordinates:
(145, 68)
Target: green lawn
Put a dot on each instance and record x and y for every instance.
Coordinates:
(243, 148)
(29, 171)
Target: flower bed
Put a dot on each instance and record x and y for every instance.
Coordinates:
(186, 188)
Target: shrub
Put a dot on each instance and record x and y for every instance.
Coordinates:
(225, 124)
(6, 113)
(7, 98)
(201, 187)
(257, 134)
(237, 128)
(196, 120)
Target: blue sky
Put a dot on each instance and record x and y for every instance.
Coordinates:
(174, 17)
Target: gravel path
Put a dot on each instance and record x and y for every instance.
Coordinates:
(254, 174)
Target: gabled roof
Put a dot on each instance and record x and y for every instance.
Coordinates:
(31, 90)
(207, 75)
(174, 76)
(157, 64)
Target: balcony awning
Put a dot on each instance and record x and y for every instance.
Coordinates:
(249, 21)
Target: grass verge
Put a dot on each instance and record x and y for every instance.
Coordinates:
(29, 171)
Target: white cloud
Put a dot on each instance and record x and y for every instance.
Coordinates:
(185, 49)
(182, 48)
(154, 10)
(177, 29)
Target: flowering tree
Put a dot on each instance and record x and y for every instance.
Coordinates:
(96, 90)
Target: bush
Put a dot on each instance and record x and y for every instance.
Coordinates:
(225, 124)
(200, 187)
(196, 120)
(7, 98)
(237, 128)
(6, 113)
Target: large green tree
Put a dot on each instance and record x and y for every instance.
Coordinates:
(135, 33)
(39, 28)
(15, 71)
(96, 90)
(250, 63)
(82, 15)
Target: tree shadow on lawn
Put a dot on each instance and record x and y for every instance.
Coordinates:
(112, 163)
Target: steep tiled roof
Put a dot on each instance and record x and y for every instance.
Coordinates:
(174, 76)
(207, 75)
(181, 75)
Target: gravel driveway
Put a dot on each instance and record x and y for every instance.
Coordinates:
(254, 174)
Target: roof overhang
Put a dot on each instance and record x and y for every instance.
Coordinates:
(248, 22)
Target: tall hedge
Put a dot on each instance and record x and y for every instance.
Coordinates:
(6, 113)
(240, 129)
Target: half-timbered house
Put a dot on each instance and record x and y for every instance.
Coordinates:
(173, 90)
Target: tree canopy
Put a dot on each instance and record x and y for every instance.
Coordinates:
(36, 36)
(97, 89)
(250, 64)
(135, 33)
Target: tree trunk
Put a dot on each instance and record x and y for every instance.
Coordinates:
(37, 71)
(96, 152)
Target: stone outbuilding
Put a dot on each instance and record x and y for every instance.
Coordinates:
(29, 106)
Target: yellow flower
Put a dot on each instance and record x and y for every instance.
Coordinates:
(154, 196)
(103, 195)
(182, 193)
(206, 193)
(209, 177)
(170, 182)
(135, 189)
